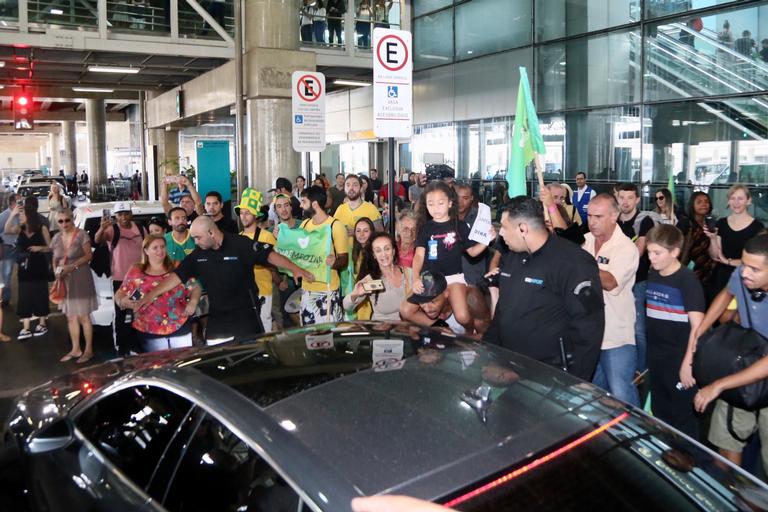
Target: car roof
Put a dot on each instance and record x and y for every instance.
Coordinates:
(395, 398)
(363, 408)
(91, 210)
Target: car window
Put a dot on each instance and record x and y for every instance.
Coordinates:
(133, 427)
(217, 460)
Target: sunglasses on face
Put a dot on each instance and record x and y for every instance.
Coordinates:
(659, 198)
(64, 221)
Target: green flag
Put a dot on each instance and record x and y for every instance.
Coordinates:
(526, 138)
(307, 249)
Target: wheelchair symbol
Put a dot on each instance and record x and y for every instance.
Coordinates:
(298, 119)
(392, 91)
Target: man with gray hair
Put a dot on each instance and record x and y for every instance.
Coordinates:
(617, 258)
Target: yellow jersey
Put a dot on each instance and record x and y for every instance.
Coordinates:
(263, 275)
(349, 217)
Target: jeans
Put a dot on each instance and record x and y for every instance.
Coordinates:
(615, 372)
(306, 33)
(9, 260)
(334, 28)
(319, 30)
(640, 341)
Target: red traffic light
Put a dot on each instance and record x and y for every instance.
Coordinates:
(22, 100)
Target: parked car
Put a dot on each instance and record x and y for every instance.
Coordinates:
(41, 179)
(88, 218)
(308, 418)
(40, 190)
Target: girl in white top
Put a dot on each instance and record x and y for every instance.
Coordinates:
(385, 303)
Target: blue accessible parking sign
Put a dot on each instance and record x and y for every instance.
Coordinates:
(298, 119)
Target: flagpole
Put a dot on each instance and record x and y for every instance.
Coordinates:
(540, 175)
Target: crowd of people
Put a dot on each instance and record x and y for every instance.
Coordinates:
(317, 16)
(581, 280)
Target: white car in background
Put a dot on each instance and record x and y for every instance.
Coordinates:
(39, 189)
(88, 218)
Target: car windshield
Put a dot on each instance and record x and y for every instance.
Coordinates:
(37, 190)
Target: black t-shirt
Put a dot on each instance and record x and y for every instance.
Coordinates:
(376, 185)
(551, 294)
(227, 225)
(733, 242)
(668, 301)
(227, 274)
(444, 244)
(628, 228)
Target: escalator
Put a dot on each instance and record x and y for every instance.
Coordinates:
(683, 63)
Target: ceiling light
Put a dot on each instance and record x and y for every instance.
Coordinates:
(2, 63)
(57, 11)
(2, 86)
(113, 69)
(91, 89)
(353, 83)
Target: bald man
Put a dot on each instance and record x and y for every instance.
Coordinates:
(224, 262)
(617, 258)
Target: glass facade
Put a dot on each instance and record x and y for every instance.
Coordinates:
(627, 90)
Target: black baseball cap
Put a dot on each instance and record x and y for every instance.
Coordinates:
(434, 284)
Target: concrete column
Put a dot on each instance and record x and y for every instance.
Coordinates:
(271, 154)
(96, 124)
(270, 24)
(167, 143)
(54, 142)
(70, 147)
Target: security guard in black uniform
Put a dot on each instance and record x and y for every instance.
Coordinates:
(550, 300)
(224, 263)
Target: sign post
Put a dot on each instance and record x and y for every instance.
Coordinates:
(392, 96)
(308, 110)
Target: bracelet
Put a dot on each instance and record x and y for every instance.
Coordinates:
(552, 208)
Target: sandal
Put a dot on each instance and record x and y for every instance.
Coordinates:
(70, 356)
(84, 358)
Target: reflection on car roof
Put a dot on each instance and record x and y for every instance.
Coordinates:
(351, 390)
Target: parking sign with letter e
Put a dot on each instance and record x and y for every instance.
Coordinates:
(392, 83)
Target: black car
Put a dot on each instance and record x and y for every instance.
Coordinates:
(309, 418)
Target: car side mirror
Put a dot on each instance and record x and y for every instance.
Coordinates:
(55, 436)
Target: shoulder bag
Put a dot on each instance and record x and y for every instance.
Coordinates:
(728, 349)
(58, 291)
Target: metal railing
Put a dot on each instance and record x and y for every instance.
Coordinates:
(144, 16)
(319, 30)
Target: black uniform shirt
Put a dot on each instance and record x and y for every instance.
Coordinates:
(227, 274)
(551, 294)
(227, 225)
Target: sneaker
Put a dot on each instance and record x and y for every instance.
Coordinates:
(24, 334)
(40, 330)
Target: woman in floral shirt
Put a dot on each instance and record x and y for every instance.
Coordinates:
(163, 324)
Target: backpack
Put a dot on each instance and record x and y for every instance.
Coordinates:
(101, 262)
(116, 234)
(655, 217)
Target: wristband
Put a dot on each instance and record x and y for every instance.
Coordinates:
(552, 209)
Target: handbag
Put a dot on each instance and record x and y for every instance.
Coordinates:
(727, 350)
(58, 291)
